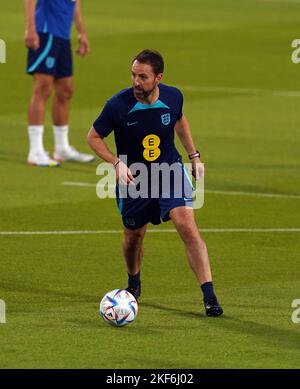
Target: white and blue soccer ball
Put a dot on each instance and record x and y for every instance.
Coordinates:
(118, 307)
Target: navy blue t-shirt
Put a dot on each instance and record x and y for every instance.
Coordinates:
(143, 132)
(55, 17)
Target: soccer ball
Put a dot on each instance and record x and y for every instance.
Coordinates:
(118, 307)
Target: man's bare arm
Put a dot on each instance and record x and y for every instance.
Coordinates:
(84, 45)
(99, 146)
(183, 131)
(32, 40)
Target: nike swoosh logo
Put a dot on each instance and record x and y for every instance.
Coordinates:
(187, 199)
(131, 124)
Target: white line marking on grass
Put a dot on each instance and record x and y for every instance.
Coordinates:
(246, 91)
(224, 192)
(83, 184)
(99, 232)
(272, 195)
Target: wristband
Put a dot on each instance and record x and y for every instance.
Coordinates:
(194, 155)
(116, 163)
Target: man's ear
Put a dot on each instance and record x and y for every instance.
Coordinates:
(159, 77)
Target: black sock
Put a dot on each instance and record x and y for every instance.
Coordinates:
(208, 293)
(134, 280)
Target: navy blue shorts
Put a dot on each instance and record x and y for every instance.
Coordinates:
(140, 211)
(53, 57)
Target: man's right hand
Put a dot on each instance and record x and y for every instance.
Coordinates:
(32, 40)
(124, 176)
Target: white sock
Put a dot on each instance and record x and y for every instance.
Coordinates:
(61, 137)
(35, 134)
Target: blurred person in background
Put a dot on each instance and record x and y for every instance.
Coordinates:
(47, 37)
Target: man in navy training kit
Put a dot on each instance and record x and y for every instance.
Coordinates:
(143, 119)
(47, 37)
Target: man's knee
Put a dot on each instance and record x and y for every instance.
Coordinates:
(133, 238)
(43, 89)
(191, 236)
(65, 93)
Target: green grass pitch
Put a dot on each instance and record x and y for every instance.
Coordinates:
(232, 60)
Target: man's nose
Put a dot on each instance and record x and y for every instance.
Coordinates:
(136, 81)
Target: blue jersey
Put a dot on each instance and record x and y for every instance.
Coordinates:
(143, 132)
(55, 17)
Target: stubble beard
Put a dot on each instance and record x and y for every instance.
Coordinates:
(143, 94)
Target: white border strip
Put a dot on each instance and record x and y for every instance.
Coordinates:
(99, 232)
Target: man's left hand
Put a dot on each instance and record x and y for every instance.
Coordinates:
(84, 45)
(197, 168)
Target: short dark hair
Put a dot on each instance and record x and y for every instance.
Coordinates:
(151, 57)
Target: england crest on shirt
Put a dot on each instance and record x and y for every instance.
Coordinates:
(165, 119)
(50, 62)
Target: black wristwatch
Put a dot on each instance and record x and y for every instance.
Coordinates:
(196, 154)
